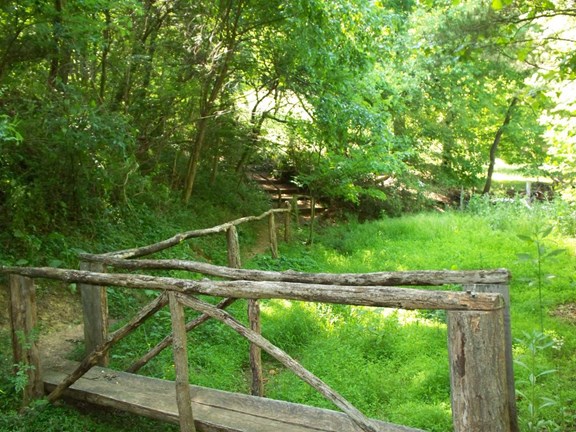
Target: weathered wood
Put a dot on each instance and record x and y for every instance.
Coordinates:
(478, 371)
(308, 377)
(94, 311)
(253, 315)
(167, 341)
(505, 292)
(234, 260)
(403, 278)
(23, 327)
(296, 209)
(179, 238)
(214, 410)
(101, 350)
(183, 398)
(257, 385)
(287, 222)
(394, 297)
(312, 220)
(273, 239)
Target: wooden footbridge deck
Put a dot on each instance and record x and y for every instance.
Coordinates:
(479, 339)
(214, 410)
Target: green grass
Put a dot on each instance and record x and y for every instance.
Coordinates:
(391, 364)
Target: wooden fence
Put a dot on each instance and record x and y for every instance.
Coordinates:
(479, 340)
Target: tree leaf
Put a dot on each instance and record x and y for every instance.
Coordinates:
(546, 232)
(524, 257)
(555, 252)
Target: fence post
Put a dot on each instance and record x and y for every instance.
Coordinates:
(478, 378)
(504, 290)
(257, 387)
(22, 310)
(287, 224)
(296, 210)
(94, 311)
(180, 352)
(272, 235)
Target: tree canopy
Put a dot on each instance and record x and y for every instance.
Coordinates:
(104, 102)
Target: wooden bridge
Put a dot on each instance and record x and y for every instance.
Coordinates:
(479, 343)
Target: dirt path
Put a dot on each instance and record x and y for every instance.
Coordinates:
(59, 319)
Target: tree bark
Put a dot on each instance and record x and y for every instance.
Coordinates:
(495, 144)
(179, 346)
(94, 312)
(476, 346)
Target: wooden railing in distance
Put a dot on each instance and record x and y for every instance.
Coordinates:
(94, 298)
(479, 353)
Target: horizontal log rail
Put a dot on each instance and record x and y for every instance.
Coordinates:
(394, 297)
(179, 238)
(402, 278)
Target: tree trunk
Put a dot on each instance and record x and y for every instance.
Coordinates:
(495, 144)
(56, 64)
(213, 85)
(194, 159)
(105, 51)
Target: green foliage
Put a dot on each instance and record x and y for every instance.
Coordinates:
(532, 346)
(541, 256)
(66, 419)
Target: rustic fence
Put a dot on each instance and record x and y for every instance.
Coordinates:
(94, 299)
(480, 357)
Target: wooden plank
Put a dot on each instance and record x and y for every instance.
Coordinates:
(394, 297)
(479, 388)
(405, 278)
(23, 327)
(214, 410)
(95, 312)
